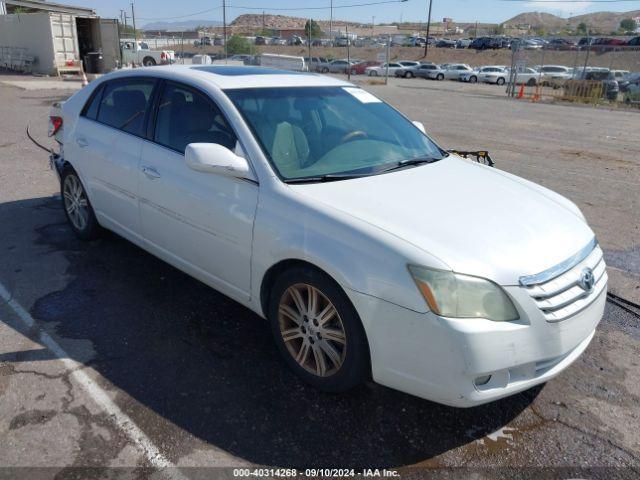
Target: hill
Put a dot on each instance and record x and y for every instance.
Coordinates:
(253, 21)
(602, 22)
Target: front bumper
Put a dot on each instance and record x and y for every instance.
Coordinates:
(440, 359)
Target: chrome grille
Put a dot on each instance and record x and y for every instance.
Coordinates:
(562, 296)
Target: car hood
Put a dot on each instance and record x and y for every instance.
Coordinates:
(476, 219)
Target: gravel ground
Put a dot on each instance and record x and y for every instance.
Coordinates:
(198, 374)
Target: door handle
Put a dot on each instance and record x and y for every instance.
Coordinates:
(82, 142)
(151, 172)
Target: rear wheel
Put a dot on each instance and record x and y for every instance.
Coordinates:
(318, 331)
(77, 207)
(408, 75)
(148, 61)
(531, 82)
(500, 81)
(440, 76)
(325, 70)
(473, 79)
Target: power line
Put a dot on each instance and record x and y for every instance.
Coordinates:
(571, 1)
(283, 9)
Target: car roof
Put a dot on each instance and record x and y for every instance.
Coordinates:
(232, 76)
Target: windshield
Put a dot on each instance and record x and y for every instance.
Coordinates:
(319, 131)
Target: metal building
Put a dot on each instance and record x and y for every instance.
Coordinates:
(51, 38)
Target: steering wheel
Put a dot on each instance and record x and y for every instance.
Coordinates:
(352, 135)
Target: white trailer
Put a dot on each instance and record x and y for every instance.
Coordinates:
(284, 62)
(53, 42)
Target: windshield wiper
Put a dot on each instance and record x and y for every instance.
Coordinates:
(409, 162)
(330, 177)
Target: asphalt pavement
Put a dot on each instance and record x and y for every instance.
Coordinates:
(114, 363)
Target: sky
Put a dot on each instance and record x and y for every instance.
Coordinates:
(493, 11)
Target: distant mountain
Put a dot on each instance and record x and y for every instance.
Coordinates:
(603, 22)
(181, 25)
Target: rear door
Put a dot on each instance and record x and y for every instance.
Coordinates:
(107, 143)
(199, 222)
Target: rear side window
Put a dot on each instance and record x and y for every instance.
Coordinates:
(91, 108)
(125, 104)
(186, 116)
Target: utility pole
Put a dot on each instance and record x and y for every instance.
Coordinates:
(125, 22)
(331, 24)
(426, 43)
(373, 23)
(586, 58)
(224, 27)
(133, 17)
(346, 29)
(309, 42)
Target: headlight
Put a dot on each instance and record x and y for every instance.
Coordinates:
(455, 295)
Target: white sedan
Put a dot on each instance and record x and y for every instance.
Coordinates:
(381, 70)
(334, 229)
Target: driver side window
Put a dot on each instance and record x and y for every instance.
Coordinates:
(186, 116)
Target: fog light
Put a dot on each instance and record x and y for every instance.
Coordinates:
(482, 380)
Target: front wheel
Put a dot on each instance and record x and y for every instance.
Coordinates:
(408, 75)
(77, 207)
(325, 70)
(500, 81)
(473, 79)
(440, 77)
(318, 331)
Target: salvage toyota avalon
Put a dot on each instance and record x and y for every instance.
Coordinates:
(372, 252)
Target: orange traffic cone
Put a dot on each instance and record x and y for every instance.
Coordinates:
(521, 92)
(85, 80)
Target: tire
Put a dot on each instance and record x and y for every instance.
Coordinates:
(325, 70)
(347, 346)
(531, 82)
(148, 61)
(500, 81)
(76, 205)
(373, 73)
(440, 77)
(408, 75)
(473, 79)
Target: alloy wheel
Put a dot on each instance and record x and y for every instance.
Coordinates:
(312, 330)
(75, 202)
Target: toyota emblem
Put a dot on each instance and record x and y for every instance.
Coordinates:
(586, 280)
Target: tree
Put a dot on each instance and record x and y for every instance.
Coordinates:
(581, 29)
(628, 24)
(237, 44)
(316, 31)
(499, 29)
(540, 31)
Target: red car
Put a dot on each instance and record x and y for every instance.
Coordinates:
(358, 68)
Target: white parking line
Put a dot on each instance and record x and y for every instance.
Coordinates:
(121, 419)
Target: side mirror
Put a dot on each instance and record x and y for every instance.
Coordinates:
(419, 126)
(214, 158)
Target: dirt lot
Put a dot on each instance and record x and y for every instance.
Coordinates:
(111, 358)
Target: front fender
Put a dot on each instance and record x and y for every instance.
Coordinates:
(357, 255)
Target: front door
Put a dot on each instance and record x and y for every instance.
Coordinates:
(200, 222)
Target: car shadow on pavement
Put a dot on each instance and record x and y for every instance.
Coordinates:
(208, 366)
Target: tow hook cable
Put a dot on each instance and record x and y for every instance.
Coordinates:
(48, 150)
